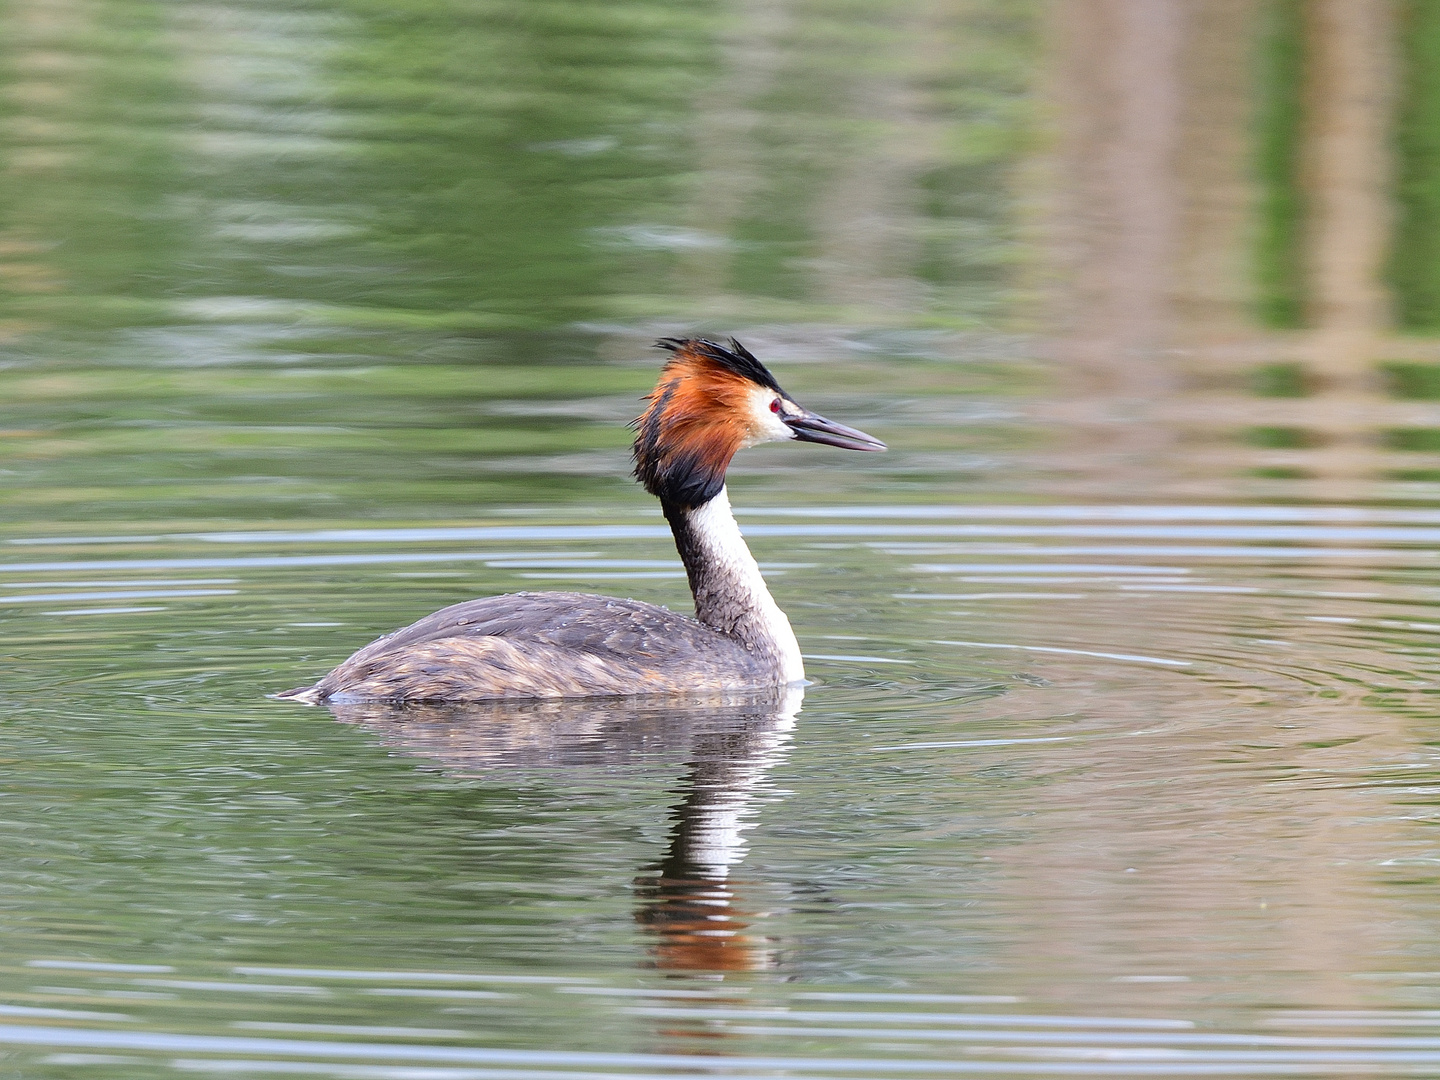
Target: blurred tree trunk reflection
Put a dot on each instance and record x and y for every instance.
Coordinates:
(1120, 102)
(1190, 137)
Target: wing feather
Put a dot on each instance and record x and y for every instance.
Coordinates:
(552, 644)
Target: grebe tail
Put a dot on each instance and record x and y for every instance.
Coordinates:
(710, 402)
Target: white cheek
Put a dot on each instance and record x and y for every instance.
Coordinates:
(765, 426)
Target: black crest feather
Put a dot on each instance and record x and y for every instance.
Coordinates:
(736, 359)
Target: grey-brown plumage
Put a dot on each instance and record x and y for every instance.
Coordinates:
(553, 644)
(710, 402)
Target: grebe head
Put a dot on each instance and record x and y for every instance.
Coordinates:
(710, 402)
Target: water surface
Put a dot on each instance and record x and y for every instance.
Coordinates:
(1119, 755)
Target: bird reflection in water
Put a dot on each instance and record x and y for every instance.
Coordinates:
(687, 899)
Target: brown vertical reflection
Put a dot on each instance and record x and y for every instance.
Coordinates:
(1348, 98)
(1153, 102)
(1117, 95)
(689, 900)
(1150, 221)
(1213, 164)
(1347, 161)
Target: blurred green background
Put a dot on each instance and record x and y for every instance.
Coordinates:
(272, 260)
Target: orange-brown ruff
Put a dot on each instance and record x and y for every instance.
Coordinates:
(698, 416)
(710, 402)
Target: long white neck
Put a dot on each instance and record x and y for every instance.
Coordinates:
(730, 593)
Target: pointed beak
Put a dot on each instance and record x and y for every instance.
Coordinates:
(811, 427)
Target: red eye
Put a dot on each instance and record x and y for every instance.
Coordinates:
(775, 405)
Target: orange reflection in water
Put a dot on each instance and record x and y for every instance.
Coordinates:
(687, 899)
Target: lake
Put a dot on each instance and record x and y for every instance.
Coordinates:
(1119, 755)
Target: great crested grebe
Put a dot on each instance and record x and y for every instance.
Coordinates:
(710, 402)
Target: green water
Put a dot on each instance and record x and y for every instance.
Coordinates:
(1119, 755)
